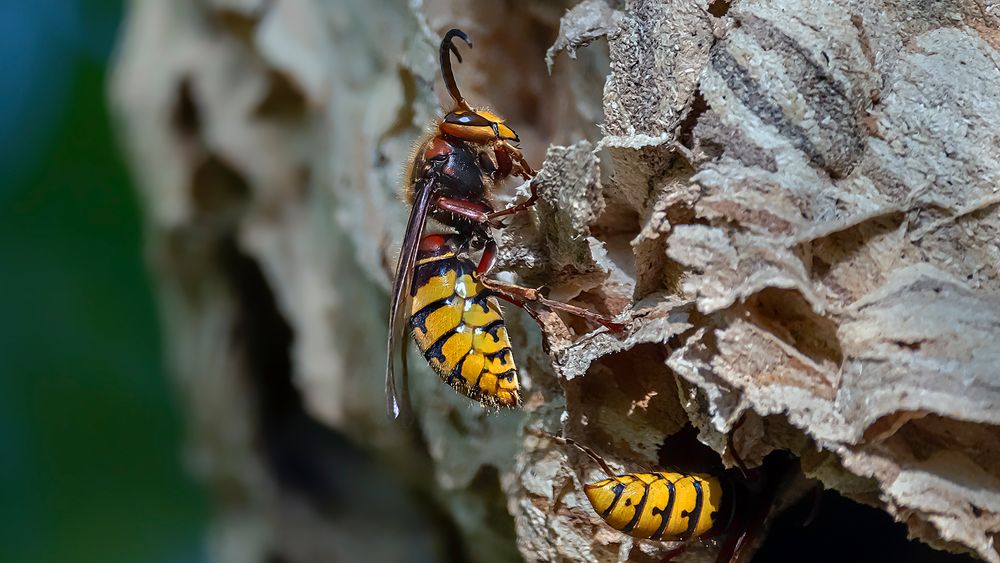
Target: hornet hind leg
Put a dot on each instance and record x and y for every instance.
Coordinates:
(521, 296)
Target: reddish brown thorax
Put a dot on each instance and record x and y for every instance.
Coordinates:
(438, 148)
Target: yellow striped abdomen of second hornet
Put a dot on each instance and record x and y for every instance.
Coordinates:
(660, 506)
(459, 328)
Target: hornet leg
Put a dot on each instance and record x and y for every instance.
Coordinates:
(476, 213)
(520, 296)
(465, 209)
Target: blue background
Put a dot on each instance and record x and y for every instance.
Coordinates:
(90, 433)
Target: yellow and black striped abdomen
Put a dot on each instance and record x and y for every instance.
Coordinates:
(660, 506)
(459, 328)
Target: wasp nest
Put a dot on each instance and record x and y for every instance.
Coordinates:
(794, 206)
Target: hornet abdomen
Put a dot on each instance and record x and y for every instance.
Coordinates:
(661, 506)
(458, 326)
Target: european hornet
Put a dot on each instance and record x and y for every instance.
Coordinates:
(674, 506)
(449, 300)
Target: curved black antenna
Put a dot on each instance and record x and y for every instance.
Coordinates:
(448, 47)
(569, 441)
(593, 455)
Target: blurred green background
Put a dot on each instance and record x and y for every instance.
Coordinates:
(90, 433)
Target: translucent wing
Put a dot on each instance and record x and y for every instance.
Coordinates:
(401, 288)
